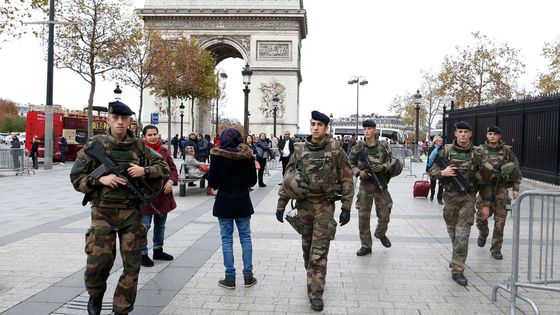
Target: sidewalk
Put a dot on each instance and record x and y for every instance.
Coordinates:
(42, 259)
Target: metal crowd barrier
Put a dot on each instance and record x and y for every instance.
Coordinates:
(405, 155)
(15, 160)
(542, 249)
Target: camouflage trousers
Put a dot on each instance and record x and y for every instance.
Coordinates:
(458, 213)
(319, 214)
(364, 203)
(100, 248)
(497, 209)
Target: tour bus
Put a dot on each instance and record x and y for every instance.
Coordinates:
(435, 132)
(392, 135)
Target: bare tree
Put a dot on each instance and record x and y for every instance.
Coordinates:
(549, 82)
(13, 13)
(432, 98)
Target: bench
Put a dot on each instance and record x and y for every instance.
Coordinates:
(184, 179)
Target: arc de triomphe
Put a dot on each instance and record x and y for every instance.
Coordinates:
(266, 34)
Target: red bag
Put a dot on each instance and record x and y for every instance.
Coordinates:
(257, 165)
(203, 168)
(421, 188)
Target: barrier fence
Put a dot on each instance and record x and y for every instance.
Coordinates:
(15, 160)
(533, 265)
(405, 155)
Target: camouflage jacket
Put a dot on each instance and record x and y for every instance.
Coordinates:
(378, 154)
(327, 169)
(497, 157)
(131, 150)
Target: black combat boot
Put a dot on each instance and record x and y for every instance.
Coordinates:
(228, 282)
(94, 305)
(250, 280)
(384, 239)
(481, 241)
(146, 261)
(459, 278)
(363, 251)
(497, 255)
(160, 255)
(316, 304)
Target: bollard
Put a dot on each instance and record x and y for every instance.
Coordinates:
(182, 188)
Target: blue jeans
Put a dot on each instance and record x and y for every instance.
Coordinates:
(159, 230)
(244, 229)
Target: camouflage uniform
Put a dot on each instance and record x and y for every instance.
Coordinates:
(458, 211)
(115, 211)
(380, 153)
(494, 195)
(328, 172)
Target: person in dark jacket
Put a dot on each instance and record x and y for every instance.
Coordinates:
(263, 153)
(15, 146)
(436, 146)
(164, 201)
(34, 152)
(232, 173)
(175, 144)
(203, 148)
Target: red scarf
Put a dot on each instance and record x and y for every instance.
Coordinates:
(156, 146)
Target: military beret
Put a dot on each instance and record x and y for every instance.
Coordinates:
(120, 108)
(494, 129)
(463, 125)
(369, 123)
(320, 117)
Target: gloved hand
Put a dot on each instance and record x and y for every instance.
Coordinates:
(344, 217)
(280, 215)
(378, 168)
(364, 175)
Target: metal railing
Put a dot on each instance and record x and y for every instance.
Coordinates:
(405, 155)
(15, 160)
(542, 249)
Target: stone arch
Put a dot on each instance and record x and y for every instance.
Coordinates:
(226, 47)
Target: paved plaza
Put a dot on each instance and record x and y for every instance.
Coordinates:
(42, 259)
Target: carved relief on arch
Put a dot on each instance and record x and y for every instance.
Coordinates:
(269, 90)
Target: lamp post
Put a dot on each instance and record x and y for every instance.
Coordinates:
(275, 101)
(358, 80)
(182, 111)
(118, 93)
(246, 73)
(219, 74)
(417, 98)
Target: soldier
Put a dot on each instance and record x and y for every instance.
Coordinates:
(463, 161)
(115, 209)
(379, 155)
(317, 172)
(493, 195)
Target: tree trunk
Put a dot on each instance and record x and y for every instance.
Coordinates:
(192, 115)
(140, 111)
(168, 119)
(90, 107)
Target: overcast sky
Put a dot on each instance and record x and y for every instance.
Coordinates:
(389, 42)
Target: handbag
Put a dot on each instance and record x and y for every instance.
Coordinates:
(257, 165)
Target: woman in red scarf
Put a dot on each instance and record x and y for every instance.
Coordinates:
(164, 202)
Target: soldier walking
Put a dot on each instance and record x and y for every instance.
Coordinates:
(115, 209)
(379, 156)
(458, 164)
(317, 172)
(493, 191)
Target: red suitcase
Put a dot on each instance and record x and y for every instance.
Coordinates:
(421, 188)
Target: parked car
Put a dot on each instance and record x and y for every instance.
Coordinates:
(4, 137)
(21, 138)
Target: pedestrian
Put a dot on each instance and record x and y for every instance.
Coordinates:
(196, 169)
(462, 160)
(380, 158)
(182, 146)
(232, 173)
(15, 147)
(175, 143)
(164, 201)
(34, 152)
(493, 194)
(63, 149)
(436, 146)
(263, 153)
(203, 148)
(286, 148)
(115, 210)
(424, 147)
(317, 173)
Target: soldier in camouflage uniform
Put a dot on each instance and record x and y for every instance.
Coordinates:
(493, 194)
(379, 155)
(325, 172)
(115, 210)
(464, 158)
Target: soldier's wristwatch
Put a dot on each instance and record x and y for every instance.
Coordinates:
(146, 171)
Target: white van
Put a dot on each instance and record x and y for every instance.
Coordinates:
(391, 135)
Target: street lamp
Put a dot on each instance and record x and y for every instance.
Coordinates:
(417, 98)
(275, 101)
(219, 74)
(182, 111)
(246, 73)
(118, 93)
(358, 80)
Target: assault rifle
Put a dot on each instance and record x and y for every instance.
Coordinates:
(138, 186)
(458, 179)
(378, 181)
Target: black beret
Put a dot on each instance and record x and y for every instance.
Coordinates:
(120, 108)
(369, 123)
(463, 125)
(494, 129)
(320, 117)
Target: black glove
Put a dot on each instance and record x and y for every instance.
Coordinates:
(344, 217)
(280, 215)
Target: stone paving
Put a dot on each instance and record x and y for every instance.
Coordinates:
(42, 259)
